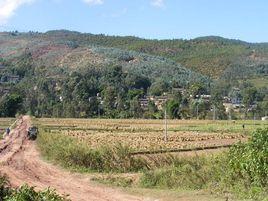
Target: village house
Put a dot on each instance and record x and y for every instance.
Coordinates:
(159, 101)
(144, 103)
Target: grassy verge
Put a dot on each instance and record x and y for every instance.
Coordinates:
(116, 180)
(70, 153)
(243, 171)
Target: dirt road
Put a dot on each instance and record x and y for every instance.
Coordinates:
(21, 162)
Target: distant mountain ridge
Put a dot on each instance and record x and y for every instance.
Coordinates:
(58, 53)
(210, 55)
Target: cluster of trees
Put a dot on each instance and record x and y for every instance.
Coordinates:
(86, 93)
(112, 92)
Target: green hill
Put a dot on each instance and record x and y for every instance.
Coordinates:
(70, 74)
(71, 51)
(210, 56)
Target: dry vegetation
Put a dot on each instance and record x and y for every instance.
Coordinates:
(147, 135)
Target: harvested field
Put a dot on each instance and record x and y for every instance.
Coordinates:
(147, 135)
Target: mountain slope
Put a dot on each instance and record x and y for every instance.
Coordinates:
(211, 56)
(73, 51)
(208, 55)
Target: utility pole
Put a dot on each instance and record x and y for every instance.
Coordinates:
(165, 123)
(197, 108)
(214, 113)
(98, 111)
(254, 117)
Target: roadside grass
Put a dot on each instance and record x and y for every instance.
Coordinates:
(115, 180)
(176, 195)
(73, 154)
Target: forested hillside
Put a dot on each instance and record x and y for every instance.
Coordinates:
(69, 74)
(209, 55)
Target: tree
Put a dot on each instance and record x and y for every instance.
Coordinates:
(197, 89)
(109, 97)
(199, 108)
(152, 112)
(114, 76)
(134, 81)
(217, 103)
(10, 105)
(135, 108)
(158, 88)
(249, 97)
(135, 93)
(173, 109)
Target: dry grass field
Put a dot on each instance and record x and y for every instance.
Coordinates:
(148, 135)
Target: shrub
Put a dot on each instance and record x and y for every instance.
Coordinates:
(4, 187)
(26, 193)
(248, 165)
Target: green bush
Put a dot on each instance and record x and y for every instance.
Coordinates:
(26, 193)
(248, 165)
(250, 160)
(4, 187)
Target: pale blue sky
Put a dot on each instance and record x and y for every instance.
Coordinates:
(161, 19)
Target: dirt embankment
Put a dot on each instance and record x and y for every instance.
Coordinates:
(21, 162)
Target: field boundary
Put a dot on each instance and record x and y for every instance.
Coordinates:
(180, 150)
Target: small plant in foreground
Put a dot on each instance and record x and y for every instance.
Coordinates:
(26, 193)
